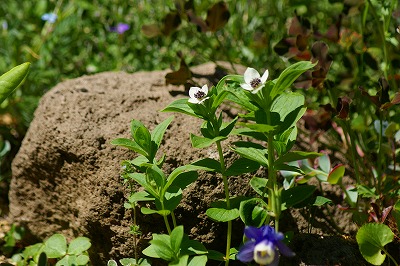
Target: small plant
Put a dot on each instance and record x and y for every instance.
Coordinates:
(55, 247)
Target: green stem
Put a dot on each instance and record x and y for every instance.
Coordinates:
(134, 235)
(173, 219)
(351, 144)
(228, 204)
(166, 219)
(379, 167)
(390, 256)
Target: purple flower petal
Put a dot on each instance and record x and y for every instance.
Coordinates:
(252, 232)
(120, 28)
(246, 252)
(285, 250)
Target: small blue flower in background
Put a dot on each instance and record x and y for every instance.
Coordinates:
(263, 245)
(50, 17)
(120, 28)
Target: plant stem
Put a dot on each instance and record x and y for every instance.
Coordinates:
(351, 144)
(228, 204)
(173, 219)
(391, 257)
(134, 235)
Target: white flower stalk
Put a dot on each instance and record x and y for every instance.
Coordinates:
(198, 95)
(264, 253)
(254, 82)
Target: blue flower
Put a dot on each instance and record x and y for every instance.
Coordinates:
(263, 245)
(50, 17)
(120, 28)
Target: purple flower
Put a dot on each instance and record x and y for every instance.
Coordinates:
(263, 245)
(50, 17)
(120, 28)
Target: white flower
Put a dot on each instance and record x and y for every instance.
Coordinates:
(198, 95)
(264, 253)
(254, 82)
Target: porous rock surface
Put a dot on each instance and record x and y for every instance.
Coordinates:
(66, 176)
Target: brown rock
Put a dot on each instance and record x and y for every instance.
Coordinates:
(66, 176)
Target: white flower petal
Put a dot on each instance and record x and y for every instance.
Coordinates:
(193, 100)
(264, 76)
(258, 89)
(246, 86)
(250, 74)
(193, 91)
(264, 253)
(204, 89)
(203, 100)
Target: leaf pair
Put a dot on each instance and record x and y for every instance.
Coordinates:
(177, 249)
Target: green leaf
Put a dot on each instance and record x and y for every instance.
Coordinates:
(176, 237)
(112, 263)
(55, 246)
(66, 261)
(33, 250)
(209, 164)
(320, 201)
(192, 247)
(155, 178)
(202, 142)
(222, 215)
(259, 184)
(242, 166)
(82, 259)
(140, 196)
(371, 239)
(180, 106)
(143, 138)
(295, 195)
(11, 80)
(296, 155)
(198, 261)
(145, 210)
(79, 245)
(254, 154)
(129, 144)
(216, 255)
(336, 174)
(172, 198)
(226, 128)
(287, 109)
(42, 261)
(324, 163)
(181, 261)
(160, 248)
(141, 179)
(288, 76)
(262, 128)
(253, 212)
(158, 132)
(182, 181)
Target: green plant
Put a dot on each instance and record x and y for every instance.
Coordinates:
(55, 247)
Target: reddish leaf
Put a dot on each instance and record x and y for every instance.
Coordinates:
(199, 22)
(179, 77)
(171, 22)
(302, 42)
(343, 107)
(217, 16)
(385, 213)
(336, 174)
(151, 30)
